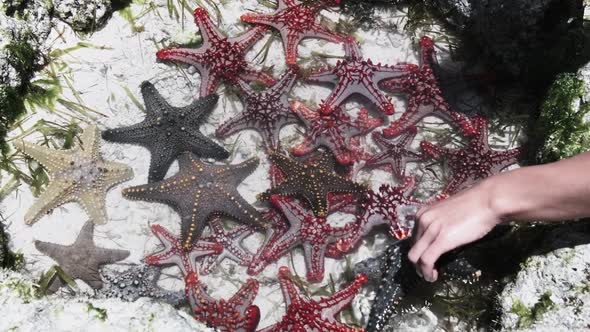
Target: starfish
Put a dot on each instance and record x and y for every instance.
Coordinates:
(333, 129)
(355, 75)
(237, 314)
(311, 232)
(313, 315)
(295, 21)
(175, 253)
(137, 281)
(81, 259)
(424, 95)
(474, 162)
(230, 241)
(312, 182)
(395, 152)
(79, 174)
(266, 112)
(391, 206)
(200, 191)
(168, 131)
(219, 58)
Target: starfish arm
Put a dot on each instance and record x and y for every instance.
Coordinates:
(204, 147)
(377, 97)
(160, 163)
(352, 49)
(106, 256)
(207, 29)
(55, 251)
(234, 125)
(204, 249)
(200, 109)
(52, 160)
(244, 297)
(242, 170)
(409, 119)
(250, 74)
(306, 114)
(290, 44)
(308, 145)
(460, 120)
(457, 183)
(95, 206)
(153, 100)
(115, 173)
(319, 31)
(433, 151)
(284, 85)
(393, 74)
(314, 261)
(264, 19)
(57, 193)
(251, 36)
(365, 123)
(139, 133)
(324, 75)
(245, 213)
(209, 83)
(504, 159)
(161, 191)
(334, 304)
(91, 142)
(191, 56)
(290, 292)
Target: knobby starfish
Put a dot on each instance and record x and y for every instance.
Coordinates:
(81, 259)
(313, 233)
(168, 131)
(355, 75)
(237, 314)
(474, 162)
(334, 129)
(230, 241)
(313, 315)
(176, 254)
(266, 112)
(392, 206)
(219, 58)
(200, 191)
(295, 20)
(79, 174)
(312, 182)
(137, 281)
(424, 95)
(395, 153)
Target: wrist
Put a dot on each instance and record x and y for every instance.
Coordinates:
(499, 200)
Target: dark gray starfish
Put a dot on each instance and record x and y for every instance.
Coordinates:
(200, 191)
(137, 281)
(81, 259)
(168, 131)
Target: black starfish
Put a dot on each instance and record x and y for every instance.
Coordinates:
(137, 281)
(168, 131)
(200, 191)
(312, 181)
(81, 259)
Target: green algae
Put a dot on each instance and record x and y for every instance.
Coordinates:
(563, 120)
(527, 316)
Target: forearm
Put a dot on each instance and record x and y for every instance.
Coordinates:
(556, 191)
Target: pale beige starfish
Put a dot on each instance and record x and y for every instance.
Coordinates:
(79, 175)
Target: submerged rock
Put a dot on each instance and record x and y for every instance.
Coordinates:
(83, 15)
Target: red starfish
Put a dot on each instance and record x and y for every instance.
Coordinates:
(391, 206)
(355, 75)
(395, 152)
(310, 315)
(333, 129)
(231, 244)
(474, 162)
(266, 112)
(237, 314)
(424, 95)
(219, 57)
(176, 253)
(295, 21)
(305, 229)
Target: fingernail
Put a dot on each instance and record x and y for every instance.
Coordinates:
(418, 272)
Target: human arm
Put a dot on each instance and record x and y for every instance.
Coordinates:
(550, 192)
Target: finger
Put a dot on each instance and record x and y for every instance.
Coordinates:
(423, 242)
(428, 259)
(422, 224)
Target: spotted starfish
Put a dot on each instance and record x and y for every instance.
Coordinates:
(424, 95)
(392, 206)
(79, 174)
(219, 58)
(168, 131)
(81, 259)
(231, 242)
(137, 281)
(313, 233)
(356, 75)
(237, 314)
(200, 191)
(475, 161)
(333, 129)
(266, 112)
(295, 20)
(312, 182)
(177, 254)
(313, 315)
(395, 152)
